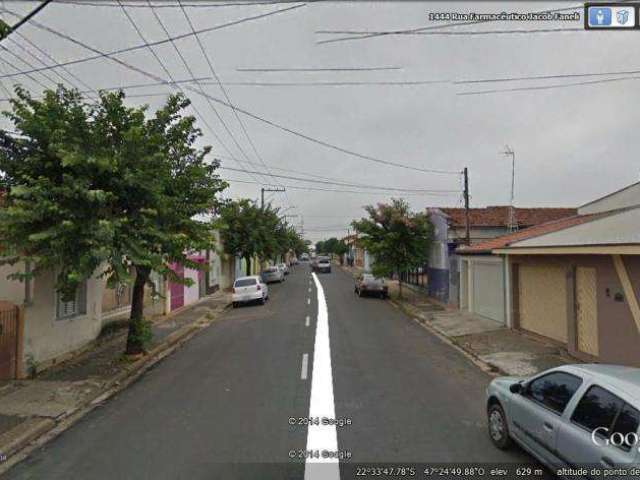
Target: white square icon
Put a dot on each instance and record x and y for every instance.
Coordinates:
(623, 17)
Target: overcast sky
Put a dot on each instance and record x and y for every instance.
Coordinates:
(572, 144)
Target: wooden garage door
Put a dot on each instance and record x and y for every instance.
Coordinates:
(543, 300)
(587, 310)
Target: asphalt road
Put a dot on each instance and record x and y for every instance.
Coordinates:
(222, 407)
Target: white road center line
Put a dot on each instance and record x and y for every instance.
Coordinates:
(308, 301)
(322, 437)
(305, 366)
(307, 321)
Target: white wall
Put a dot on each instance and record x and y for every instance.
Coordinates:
(627, 197)
(11, 290)
(45, 336)
(192, 293)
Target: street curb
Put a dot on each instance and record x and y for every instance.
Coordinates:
(44, 429)
(28, 431)
(486, 367)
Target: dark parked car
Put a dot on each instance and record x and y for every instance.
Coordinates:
(367, 284)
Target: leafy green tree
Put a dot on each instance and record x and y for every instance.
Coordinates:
(332, 245)
(239, 223)
(104, 189)
(397, 239)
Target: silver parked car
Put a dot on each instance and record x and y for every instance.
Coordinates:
(272, 274)
(570, 416)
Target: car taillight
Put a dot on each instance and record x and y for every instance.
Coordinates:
(258, 287)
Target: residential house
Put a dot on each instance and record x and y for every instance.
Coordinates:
(484, 224)
(575, 282)
(357, 255)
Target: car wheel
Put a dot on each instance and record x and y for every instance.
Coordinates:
(234, 304)
(498, 428)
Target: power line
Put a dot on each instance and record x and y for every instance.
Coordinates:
(40, 61)
(346, 184)
(247, 113)
(325, 69)
(54, 61)
(470, 32)
(212, 69)
(25, 19)
(335, 84)
(144, 45)
(545, 77)
(168, 73)
(29, 76)
(306, 173)
(547, 87)
(125, 87)
(318, 189)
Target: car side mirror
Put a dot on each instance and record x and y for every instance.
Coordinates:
(516, 388)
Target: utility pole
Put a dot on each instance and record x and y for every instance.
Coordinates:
(513, 225)
(262, 190)
(467, 227)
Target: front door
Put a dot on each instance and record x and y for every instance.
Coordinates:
(587, 311)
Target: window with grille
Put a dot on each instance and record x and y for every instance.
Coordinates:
(72, 308)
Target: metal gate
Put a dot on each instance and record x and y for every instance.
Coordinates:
(177, 289)
(9, 315)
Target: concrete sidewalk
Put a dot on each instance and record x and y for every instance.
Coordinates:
(28, 408)
(499, 350)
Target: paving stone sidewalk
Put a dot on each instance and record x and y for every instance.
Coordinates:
(503, 350)
(64, 388)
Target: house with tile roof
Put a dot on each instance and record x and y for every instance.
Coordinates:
(484, 224)
(574, 281)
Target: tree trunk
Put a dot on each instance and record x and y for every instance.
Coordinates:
(399, 285)
(248, 260)
(135, 340)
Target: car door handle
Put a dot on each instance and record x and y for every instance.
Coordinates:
(548, 426)
(606, 462)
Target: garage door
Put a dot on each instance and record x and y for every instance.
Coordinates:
(543, 300)
(488, 290)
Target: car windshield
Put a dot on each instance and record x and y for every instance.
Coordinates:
(245, 282)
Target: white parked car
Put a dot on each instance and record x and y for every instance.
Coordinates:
(249, 289)
(284, 268)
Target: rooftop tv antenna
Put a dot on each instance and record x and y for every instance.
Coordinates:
(513, 224)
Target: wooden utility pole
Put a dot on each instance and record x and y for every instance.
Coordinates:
(467, 227)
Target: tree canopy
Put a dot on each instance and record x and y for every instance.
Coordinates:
(104, 184)
(248, 230)
(396, 238)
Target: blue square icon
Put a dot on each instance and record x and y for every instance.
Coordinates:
(599, 16)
